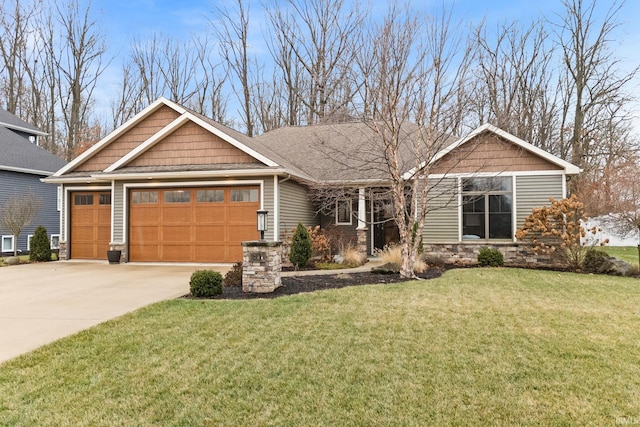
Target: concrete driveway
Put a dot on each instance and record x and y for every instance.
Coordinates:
(40, 303)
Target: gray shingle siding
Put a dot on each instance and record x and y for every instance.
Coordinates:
(15, 183)
(295, 206)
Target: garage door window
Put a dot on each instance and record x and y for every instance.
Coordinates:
(105, 199)
(177, 196)
(250, 195)
(83, 199)
(140, 197)
(210, 196)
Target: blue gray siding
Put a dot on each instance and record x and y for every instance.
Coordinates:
(15, 183)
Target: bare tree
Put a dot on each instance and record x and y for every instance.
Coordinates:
(593, 79)
(80, 62)
(232, 32)
(18, 212)
(412, 80)
(322, 36)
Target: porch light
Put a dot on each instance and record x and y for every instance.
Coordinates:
(262, 222)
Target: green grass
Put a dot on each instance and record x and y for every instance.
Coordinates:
(625, 253)
(474, 347)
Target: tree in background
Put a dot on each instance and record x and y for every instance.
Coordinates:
(17, 213)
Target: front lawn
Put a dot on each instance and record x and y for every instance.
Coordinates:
(473, 347)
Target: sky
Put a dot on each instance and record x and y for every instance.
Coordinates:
(122, 20)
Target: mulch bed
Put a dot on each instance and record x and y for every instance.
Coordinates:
(300, 284)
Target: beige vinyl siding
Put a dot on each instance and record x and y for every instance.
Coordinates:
(295, 206)
(441, 223)
(535, 191)
(268, 205)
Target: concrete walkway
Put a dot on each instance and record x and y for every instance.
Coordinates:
(40, 303)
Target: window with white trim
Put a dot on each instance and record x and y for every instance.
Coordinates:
(7, 244)
(29, 237)
(343, 212)
(55, 241)
(487, 208)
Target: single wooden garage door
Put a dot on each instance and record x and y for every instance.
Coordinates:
(192, 224)
(90, 224)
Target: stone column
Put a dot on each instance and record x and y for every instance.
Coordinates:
(62, 251)
(261, 266)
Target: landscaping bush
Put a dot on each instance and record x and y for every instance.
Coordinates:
(597, 262)
(392, 254)
(234, 276)
(301, 248)
(489, 257)
(205, 283)
(40, 247)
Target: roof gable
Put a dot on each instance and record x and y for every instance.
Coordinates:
(134, 143)
(21, 155)
(490, 149)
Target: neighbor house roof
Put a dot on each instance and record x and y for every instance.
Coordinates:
(21, 155)
(10, 121)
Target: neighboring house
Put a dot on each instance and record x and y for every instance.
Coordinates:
(22, 164)
(172, 185)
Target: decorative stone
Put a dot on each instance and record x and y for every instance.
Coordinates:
(261, 266)
(12, 260)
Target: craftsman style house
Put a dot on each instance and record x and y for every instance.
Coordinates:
(171, 185)
(22, 164)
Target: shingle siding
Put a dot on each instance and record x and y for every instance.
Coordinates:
(295, 206)
(15, 183)
(534, 192)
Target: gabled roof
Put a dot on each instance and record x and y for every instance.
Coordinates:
(231, 136)
(21, 155)
(569, 168)
(10, 121)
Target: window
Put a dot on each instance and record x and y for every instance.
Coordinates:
(104, 199)
(144, 197)
(343, 212)
(177, 196)
(7, 243)
(59, 198)
(55, 241)
(210, 196)
(248, 195)
(83, 199)
(486, 208)
(29, 237)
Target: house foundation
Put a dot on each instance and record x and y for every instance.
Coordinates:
(515, 254)
(261, 266)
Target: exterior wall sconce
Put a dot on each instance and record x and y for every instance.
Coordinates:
(262, 222)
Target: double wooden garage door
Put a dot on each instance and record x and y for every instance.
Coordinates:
(191, 224)
(169, 224)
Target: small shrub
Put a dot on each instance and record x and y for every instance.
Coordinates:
(353, 257)
(597, 262)
(234, 276)
(40, 247)
(392, 254)
(490, 257)
(205, 283)
(301, 248)
(419, 266)
(435, 261)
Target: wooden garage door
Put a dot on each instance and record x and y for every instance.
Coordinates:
(191, 224)
(90, 224)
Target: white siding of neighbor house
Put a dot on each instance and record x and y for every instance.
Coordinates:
(295, 206)
(534, 191)
(441, 223)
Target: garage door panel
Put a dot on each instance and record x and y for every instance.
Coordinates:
(201, 225)
(210, 233)
(90, 224)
